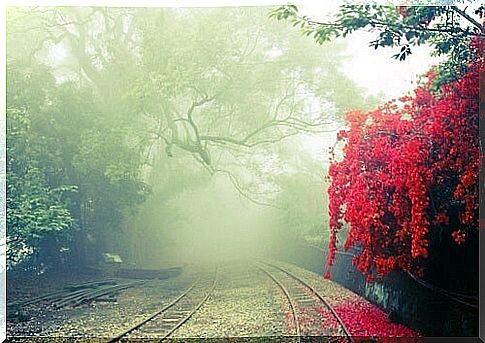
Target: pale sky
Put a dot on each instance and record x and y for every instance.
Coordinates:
(375, 70)
(378, 71)
(379, 74)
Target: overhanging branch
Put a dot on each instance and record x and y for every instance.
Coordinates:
(240, 190)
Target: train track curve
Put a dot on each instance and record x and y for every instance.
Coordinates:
(296, 291)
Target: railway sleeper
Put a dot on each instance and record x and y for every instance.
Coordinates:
(302, 298)
(186, 310)
(171, 320)
(109, 298)
(147, 330)
(307, 301)
(181, 312)
(91, 295)
(296, 295)
(91, 284)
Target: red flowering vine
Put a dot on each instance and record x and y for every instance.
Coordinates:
(409, 167)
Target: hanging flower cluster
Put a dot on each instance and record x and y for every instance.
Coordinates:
(408, 167)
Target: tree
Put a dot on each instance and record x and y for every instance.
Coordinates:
(300, 197)
(35, 211)
(186, 82)
(407, 182)
(448, 29)
(52, 151)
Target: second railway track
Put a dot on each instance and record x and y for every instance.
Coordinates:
(303, 299)
(163, 323)
(78, 294)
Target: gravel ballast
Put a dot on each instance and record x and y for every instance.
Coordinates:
(245, 302)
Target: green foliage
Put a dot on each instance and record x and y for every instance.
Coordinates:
(53, 150)
(34, 209)
(448, 29)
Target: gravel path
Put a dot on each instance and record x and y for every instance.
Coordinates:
(109, 319)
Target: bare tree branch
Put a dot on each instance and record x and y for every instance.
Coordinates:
(469, 18)
(240, 190)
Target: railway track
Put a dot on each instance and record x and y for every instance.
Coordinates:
(163, 323)
(77, 294)
(303, 300)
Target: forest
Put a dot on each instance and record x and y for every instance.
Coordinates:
(166, 136)
(111, 136)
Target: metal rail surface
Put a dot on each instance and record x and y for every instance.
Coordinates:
(290, 301)
(178, 321)
(315, 293)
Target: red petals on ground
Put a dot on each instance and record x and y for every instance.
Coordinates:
(364, 319)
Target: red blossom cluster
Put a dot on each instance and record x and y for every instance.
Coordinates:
(458, 236)
(409, 11)
(409, 167)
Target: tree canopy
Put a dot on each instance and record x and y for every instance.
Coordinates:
(448, 29)
(109, 109)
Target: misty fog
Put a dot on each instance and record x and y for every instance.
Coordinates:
(172, 135)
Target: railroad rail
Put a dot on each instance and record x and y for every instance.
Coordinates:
(299, 292)
(77, 294)
(164, 322)
(291, 303)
